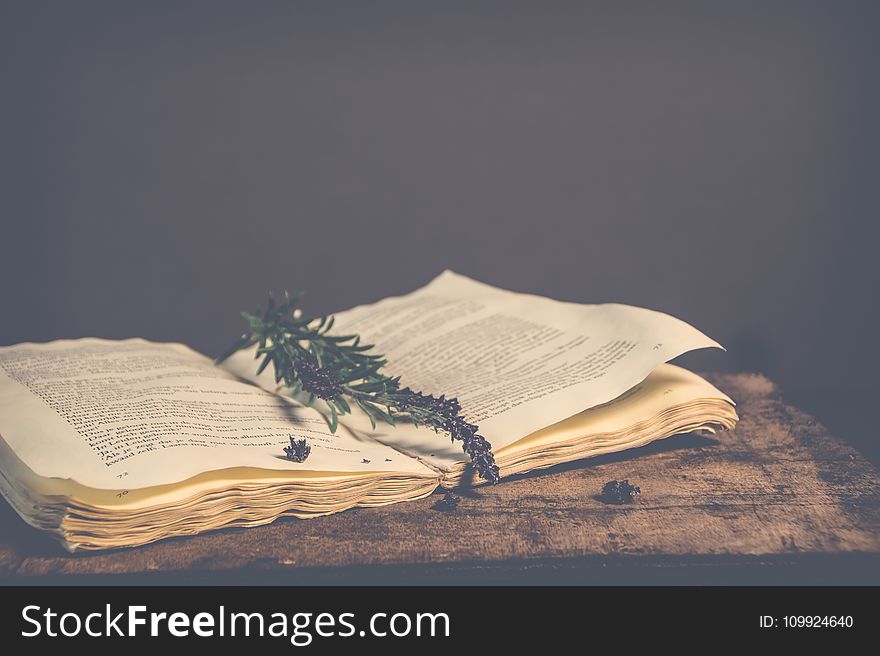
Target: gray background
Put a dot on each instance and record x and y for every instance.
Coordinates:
(164, 164)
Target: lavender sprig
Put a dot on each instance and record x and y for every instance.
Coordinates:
(341, 371)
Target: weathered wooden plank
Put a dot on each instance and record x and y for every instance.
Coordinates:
(778, 489)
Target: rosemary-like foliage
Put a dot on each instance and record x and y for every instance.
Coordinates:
(342, 372)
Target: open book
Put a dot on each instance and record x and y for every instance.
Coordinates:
(119, 443)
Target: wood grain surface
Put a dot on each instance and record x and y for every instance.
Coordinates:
(777, 499)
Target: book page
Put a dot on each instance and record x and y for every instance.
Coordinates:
(131, 414)
(666, 388)
(516, 362)
(634, 418)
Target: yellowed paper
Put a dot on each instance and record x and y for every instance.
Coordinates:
(130, 414)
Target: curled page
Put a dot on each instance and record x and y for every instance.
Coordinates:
(516, 362)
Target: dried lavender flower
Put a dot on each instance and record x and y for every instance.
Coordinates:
(619, 492)
(298, 450)
(317, 380)
(448, 503)
(443, 414)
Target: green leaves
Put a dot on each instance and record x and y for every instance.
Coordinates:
(255, 322)
(264, 363)
(342, 372)
(334, 417)
(307, 357)
(245, 341)
(342, 405)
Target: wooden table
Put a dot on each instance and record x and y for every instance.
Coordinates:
(776, 500)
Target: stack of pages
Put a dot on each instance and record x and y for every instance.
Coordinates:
(109, 444)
